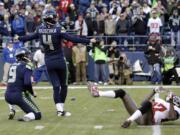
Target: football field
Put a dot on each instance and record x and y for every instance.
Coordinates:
(90, 116)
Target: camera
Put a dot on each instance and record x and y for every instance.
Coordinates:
(121, 59)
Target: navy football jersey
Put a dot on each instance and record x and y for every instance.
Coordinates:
(19, 77)
(51, 39)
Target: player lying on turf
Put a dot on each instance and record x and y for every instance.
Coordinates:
(153, 110)
(19, 87)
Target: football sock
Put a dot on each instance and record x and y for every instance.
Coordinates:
(110, 94)
(30, 115)
(11, 107)
(60, 107)
(135, 115)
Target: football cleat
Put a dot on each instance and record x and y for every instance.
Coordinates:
(24, 119)
(126, 124)
(175, 99)
(63, 114)
(93, 89)
(11, 114)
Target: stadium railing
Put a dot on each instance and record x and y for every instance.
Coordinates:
(125, 42)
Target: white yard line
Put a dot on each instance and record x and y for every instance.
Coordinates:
(106, 87)
(156, 130)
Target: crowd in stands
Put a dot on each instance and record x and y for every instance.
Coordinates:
(114, 19)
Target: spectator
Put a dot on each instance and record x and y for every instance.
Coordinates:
(30, 25)
(81, 26)
(99, 27)
(161, 10)
(17, 44)
(139, 25)
(171, 6)
(2, 9)
(152, 54)
(154, 23)
(18, 25)
(146, 8)
(114, 8)
(64, 8)
(110, 28)
(122, 28)
(100, 59)
(135, 7)
(100, 5)
(89, 23)
(80, 59)
(8, 4)
(93, 11)
(8, 58)
(114, 4)
(124, 70)
(169, 62)
(4, 31)
(68, 24)
(83, 5)
(93, 14)
(73, 12)
(174, 23)
(40, 66)
(104, 13)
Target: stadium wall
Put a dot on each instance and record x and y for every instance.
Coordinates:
(132, 56)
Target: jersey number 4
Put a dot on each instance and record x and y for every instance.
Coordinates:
(47, 40)
(12, 74)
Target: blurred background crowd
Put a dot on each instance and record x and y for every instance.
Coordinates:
(122, 26)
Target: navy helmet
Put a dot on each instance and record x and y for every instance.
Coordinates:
(49, 17)
(22, 54)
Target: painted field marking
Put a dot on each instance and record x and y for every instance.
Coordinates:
(107, 87)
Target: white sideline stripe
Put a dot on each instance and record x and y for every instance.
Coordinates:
(156, 130)
(107, 87)
(161, 126)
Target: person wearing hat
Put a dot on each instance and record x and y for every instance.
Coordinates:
(8, 58)
(174, 23)
(154, 23)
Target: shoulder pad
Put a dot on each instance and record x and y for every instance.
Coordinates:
(30, 65)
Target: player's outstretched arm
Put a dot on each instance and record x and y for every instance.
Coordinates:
(27, 37)
(156, 90)
(149, 97)
(77, 39)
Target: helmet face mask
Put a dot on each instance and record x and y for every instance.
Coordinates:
(22, 54)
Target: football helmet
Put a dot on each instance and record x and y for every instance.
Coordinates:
(22, 54)
(175, 99)
(49, 17)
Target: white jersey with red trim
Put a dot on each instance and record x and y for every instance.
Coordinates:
(161, 110)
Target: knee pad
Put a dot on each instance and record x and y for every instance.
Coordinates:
(146, 106)
(119, 93)
(38, 116)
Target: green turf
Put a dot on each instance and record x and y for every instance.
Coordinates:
(87, 112)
